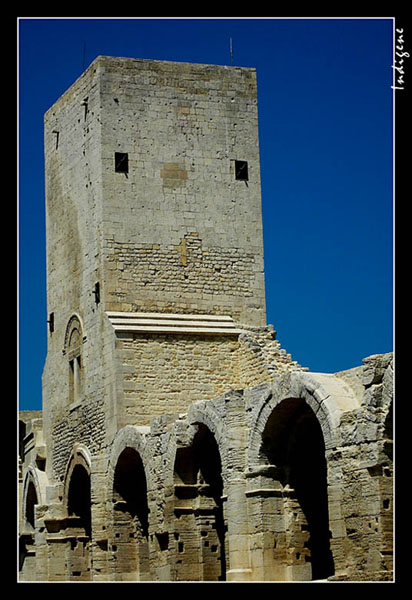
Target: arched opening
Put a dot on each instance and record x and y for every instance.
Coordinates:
(27, 550)
(293, 443)
(79, 524)
(73, 350)
(130, 550)
(79, 504)
(199, 521)
(31, 501)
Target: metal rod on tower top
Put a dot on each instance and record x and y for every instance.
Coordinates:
(231, 51)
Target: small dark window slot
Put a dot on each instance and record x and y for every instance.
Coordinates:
(56, 133)
(86, 107)
(121, 162)
(51, 322)
(96, 292)
(241, 170)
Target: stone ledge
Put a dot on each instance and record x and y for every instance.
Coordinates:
(170, 323)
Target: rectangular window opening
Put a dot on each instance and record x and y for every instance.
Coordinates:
(41, 463)
(241, 170)
(96, 292)
(163, 540)
(121, 162)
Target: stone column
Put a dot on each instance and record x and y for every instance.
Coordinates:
(186, 556)
(265, 513)
(236, 516)
(99, 544)
(277, 528)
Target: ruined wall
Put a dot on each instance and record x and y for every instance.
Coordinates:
(164, 374)
(211, 506)
(363, 480)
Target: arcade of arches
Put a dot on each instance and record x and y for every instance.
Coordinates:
(282, 482)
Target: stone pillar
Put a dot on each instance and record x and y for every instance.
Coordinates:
(27, 557)
(236, 516)
(267, 527)
(99, 543)
(278, 529)
(210, 536)
(68, 550)
(186, 558)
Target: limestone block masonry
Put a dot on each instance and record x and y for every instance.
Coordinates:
(178, 441)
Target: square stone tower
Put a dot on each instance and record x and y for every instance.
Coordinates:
(154, 233)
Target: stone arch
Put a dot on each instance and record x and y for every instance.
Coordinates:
(293, 443)
(77, 502)
(72, 349)
(34, 488)
(81, 456)
(77, 487)
(198, 528)
(130, 436)
(211, 414)
(207, 413)
(128, 497)
(74, 324)
(296, 422)
(328, 397)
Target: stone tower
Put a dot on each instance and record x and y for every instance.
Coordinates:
(153, 190)
(154, 231)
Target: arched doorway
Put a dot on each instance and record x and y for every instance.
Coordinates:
(79, 524)
(130, 551)
(31, 501)
(293, 443)
(199, 523)
(27, 550)
(78, 503)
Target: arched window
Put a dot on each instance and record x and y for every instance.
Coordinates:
(73, 351)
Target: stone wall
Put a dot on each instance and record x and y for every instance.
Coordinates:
(164, 374)
(194, 277)
(180, 232)
(365, 456)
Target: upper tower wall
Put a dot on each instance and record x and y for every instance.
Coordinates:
(153, 191)
(181, 232)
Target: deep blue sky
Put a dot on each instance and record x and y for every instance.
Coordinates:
(325, 128)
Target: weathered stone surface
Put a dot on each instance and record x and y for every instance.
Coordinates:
(185, 444)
